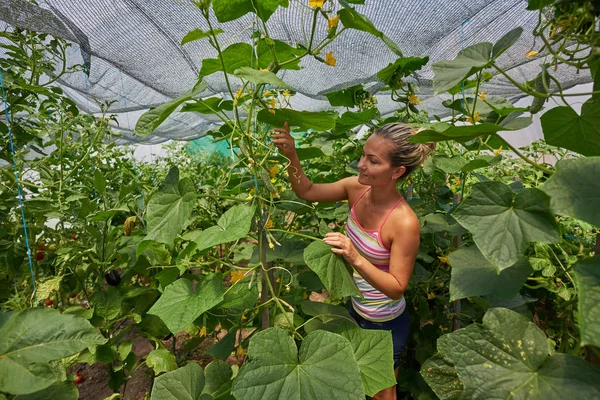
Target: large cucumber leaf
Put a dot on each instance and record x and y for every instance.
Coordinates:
(234, 9)
(31, 339)
(152, 119)
(374, 352)
(442, 378)
(233, 225)
(180, 305)
(574, 189)
(507, 357)
(236, 56)
(304, 120)
(170, 208)
(331, 269)
(324, 368)
(473, 275)
(563, 127)
(185, 383)
(588, 278)
(503, 223)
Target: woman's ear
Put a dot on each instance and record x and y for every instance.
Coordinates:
(398, 172)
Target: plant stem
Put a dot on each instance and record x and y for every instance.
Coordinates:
(518, 153)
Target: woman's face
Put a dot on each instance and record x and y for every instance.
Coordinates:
(375, 165)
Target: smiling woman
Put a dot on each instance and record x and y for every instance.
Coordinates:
(382, 232)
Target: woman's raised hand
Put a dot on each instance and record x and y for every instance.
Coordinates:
(284, 141)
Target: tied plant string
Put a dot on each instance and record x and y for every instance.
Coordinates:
(20, 194)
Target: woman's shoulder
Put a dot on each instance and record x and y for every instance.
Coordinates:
(403, 220)
(354, 189)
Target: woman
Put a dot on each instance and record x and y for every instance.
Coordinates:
(382, 238)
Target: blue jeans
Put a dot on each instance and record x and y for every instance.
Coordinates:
(399, 326)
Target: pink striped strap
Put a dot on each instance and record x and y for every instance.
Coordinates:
(387, 215)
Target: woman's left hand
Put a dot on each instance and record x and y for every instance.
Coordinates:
(342, 246)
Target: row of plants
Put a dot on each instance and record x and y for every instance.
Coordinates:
(505, 290)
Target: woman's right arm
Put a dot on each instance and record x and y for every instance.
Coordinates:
(303, 187)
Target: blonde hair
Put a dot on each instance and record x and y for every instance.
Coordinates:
(404, 153)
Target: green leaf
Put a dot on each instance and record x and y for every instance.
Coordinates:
(233, 225)
(580, 133)
(449, 164)
(291, 252)
(58, 391)
(304, 120)
(439, 223)
(152, 119)
(470, 60)
(374, 352)
(588, 279)
(538, 4)
(99, 181)
(31, 339)
(442, 378)
(345, 97)
(473, 275)
(443, 132)
(234, 9)
(179, 305)
(574, 189)
(507, 357)
(218, 376)
(161, 360)
(402, 67)
(307, 153)
(204, 106)
(503, 223)
(242, 296)
(107, 303)
(354, 20)
(224, 347)
(259, 77)
(236, 56)
(506, 42)
(170, 208)
(197, 33)
(284, 53)
(328, 316)
(350, 119)
(185, 383)
(325, 368)
(331, 269)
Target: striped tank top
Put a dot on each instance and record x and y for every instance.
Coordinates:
(374, 305)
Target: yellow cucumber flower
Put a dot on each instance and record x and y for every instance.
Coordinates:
(273, 170)
(237, 276)
(531, 53)
(202, 331)
(498, 151)
(269, 224)
(330, 59)
(271, 245)
(414, 99)
(239, 94)
(286, 94)
(332, 22)
(474, 119)
(482, 95)
(316, 3)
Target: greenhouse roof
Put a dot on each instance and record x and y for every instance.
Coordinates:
(136, 59)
